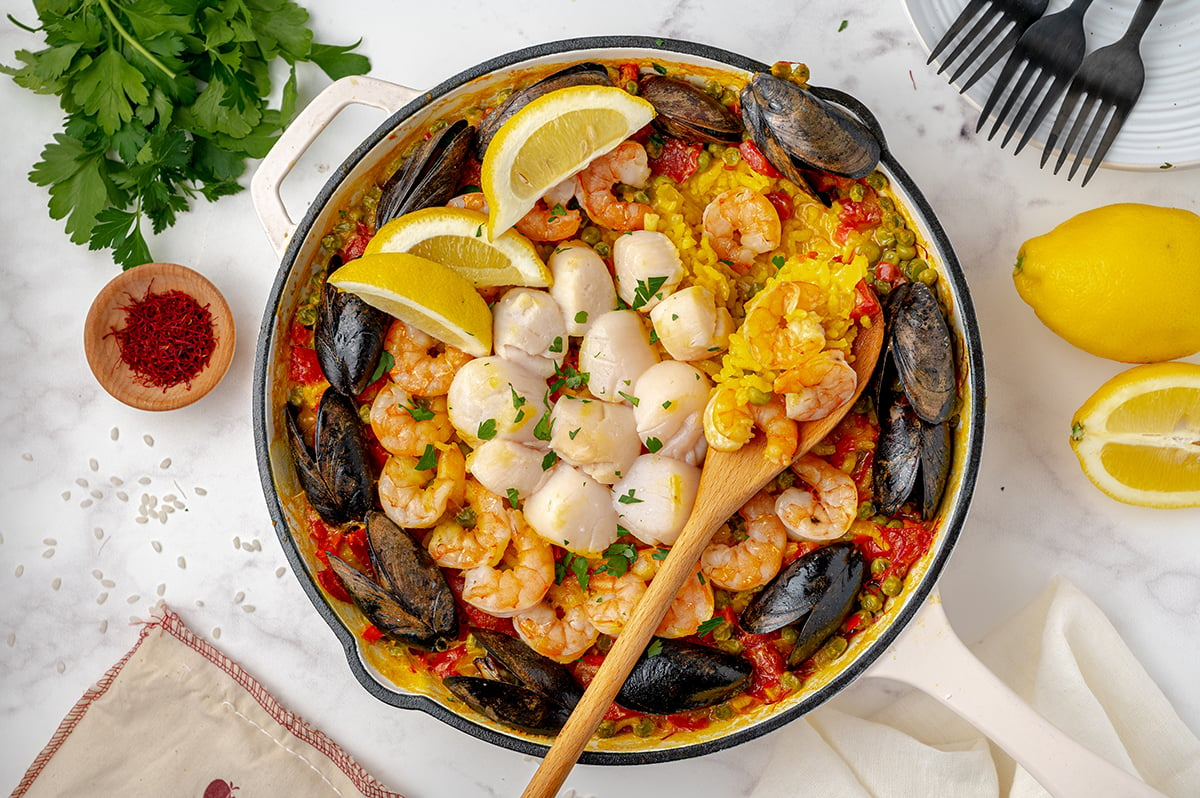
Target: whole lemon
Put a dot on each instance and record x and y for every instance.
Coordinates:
(1120, 281)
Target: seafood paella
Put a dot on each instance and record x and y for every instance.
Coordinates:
(494, 516)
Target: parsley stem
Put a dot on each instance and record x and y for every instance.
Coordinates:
(134, 43)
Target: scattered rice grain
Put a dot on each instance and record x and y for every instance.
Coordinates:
(48, 553)
(103, 597)
(12, 639)
(181, 562)
(200, 491)
(170, 497)
(122, 495)
(114, 433)
(108, 583)
(247, 608)
(237, 541)
(162, 517)
(178, 505)
(20, 569)
(27, 457)
(134, 599)
(103, 625)
(257, 545)
(144, 480)
(279, 572)
(239, 597)
(157, 546)
(60, 666)
(99, 533)
(168, 508)
(97, 493)
(116, 482)
(86, 503)
(96, 572)
(141, 519)
(57, 583)
(148, 440)
(161, 589)
(166, 463)
(50, 541)
(93, 464)
(66, 495)
(216, 633)
(81, 482)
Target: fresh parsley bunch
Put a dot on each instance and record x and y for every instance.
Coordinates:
(164, 99)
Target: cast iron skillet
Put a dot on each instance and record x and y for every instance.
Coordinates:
(297, 242)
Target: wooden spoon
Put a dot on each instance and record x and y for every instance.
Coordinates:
(727, 481)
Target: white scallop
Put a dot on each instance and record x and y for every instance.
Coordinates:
(528, 329)
(653, 501)
(574, 511)
(582, 285)
(614, 353)
(501, 465)
(670, 410)
(601, 438)
(690, 325)
(647, 266)
(492, 389)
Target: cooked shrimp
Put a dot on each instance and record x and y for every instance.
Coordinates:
(519, 581)
(611, 599)
(558, 627)
(690, 325)
(474, 201)
(742, 224)
(404, 426)
(729, 424)
(626, 164)
(755, 559)
(818, 386)
(549, 222)
(823, 512)
(423, 366)
(477, 535)
(647, 267)
(780, 329)
(417, 498)
(693, 605)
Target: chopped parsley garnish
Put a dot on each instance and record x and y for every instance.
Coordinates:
(428, 458)
(708, 626)
(633, 400)
(778, 261)
(386, 361)
(655, 648)
(581, 317)
(513, 497)
(629, 498)
(646, 290)
(487, 430)
(653, 445)
(557, 346)
(617, 559)
(417, 412)
(549, 460)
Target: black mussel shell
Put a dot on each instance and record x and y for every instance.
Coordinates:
(936, 451)
(687, 112)
(921, 347)
(429, 177)
(814, 133)
(845, 580)
(348, 339)
(384, 609)
(336, 477)
(530, 668)
(680, 676)
(587, 73)
(897, 457)
(509, 704)
(799, 588)
(404, 566)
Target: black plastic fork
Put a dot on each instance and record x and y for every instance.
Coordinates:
(1109, 80)
(994, 17)
(1051, 49)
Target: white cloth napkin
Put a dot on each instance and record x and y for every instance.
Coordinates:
(1062, 656)
(175, 717)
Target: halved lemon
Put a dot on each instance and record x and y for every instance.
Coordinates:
(1138, 436)
(431, 297)
(456, 237)
(550, 139)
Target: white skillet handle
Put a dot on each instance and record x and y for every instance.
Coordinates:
(299, 136)
(929, 656)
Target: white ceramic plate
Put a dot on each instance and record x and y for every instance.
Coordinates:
(1164, 127)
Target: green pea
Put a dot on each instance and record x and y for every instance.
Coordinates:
(644, 727)
(871, 602)
(714, 89)
(307, 315)
(331, 243)
(722, 712)
(887, 204)
(602, 249)
(906, 251)
(889, 256)
(879, 565)
(364, 414)
(866, 510)
(631, 86)
(642, 197)
(722, 632)
(606, 729)
(871, 251)
(878, 181)
(882, 287)
(928, 276)
(590, 235)
(891, 586)
(906, 236)
(730, 646)
(836, 647)
(295, 397)
(857, 192)
(703, 161)
(731, 156)
(789, 635)
(789, 681)
(714, 149)
(757, 396)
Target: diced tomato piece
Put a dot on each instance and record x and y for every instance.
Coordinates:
(855, 216)
(887, 272)
(299, 335)
(865, 301)
(782, 203)
(689, 721)
(303, 367)
(333, 586)
(354, 244)
(627, 73)
(356, 542)
(371, 633)
(677, 160)
(471, 170)
(445, 663)
(755, 159)
(768, 665)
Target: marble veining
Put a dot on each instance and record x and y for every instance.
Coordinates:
(76, 567)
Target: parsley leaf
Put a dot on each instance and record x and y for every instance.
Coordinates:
(428, 459)
(163, 100)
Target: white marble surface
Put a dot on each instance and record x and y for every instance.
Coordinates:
(74, 567)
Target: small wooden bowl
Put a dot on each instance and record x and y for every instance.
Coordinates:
(106, 314)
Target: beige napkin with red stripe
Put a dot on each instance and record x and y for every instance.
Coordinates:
(170, 696)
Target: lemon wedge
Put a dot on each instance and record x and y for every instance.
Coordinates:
(431, 297)
(1138, 437)
(550, 139)
(456, 238)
